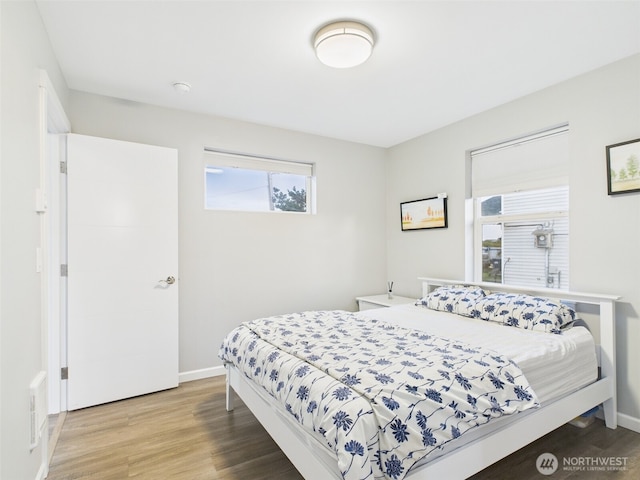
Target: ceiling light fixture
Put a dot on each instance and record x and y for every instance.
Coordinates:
(182, 87)
(343, 44)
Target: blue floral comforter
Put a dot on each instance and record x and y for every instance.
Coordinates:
(381, 396)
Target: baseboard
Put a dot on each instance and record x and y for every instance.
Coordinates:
(54, 434)
(200, 374)
(43, 471)
(629, 422)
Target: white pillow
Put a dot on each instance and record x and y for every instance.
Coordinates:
(458, 299)
(524, 311)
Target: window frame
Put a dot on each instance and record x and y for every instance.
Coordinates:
(479, 221)
(473, 204)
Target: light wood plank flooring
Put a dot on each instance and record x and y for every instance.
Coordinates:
(186, 434)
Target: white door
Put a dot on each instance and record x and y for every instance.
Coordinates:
(122, 256)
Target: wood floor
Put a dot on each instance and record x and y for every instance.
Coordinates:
(186, 434)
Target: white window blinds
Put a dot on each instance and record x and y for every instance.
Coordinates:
(218, 158)
(529, 163)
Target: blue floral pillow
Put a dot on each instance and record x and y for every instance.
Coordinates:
(524, 311)
(453, 299)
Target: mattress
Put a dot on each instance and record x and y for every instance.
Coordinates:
(554, 365)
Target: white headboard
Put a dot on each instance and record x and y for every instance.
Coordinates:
(605, 303)
(430, 284)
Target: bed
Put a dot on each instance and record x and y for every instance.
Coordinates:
(440, 388)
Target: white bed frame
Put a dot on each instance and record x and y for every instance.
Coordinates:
(316, 462)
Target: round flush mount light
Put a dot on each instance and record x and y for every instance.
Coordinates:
(182, 87)
(343, 44)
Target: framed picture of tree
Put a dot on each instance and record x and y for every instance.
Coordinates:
(425, 213)
(623, 167)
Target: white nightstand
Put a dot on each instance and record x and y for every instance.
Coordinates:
(381, 301)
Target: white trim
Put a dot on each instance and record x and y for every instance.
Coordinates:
(225, 158)
(42, 473)
(53, 119)
(521, 140)
(629, 422)
(583, 297)
(54, 436)
(192, 375)
(56, 117)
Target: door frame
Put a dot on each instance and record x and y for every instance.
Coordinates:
(53, 121)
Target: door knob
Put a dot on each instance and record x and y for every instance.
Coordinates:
(169, 280)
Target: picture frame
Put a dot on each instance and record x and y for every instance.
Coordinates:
(424, 214)
(623, 167)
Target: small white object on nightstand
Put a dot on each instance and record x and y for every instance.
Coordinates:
(382, 301)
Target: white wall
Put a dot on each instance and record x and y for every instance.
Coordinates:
(25, 49)
(602, 108)
(236, 266)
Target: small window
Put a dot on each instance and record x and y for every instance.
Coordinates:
(255, 184)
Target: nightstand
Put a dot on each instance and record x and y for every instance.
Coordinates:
(381, 301)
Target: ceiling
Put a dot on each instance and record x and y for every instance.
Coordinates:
(434, 62)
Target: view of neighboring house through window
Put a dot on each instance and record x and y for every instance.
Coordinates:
(250, 183)
(521, 211)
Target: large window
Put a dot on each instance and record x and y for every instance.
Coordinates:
(249, 183)
(521, 211)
